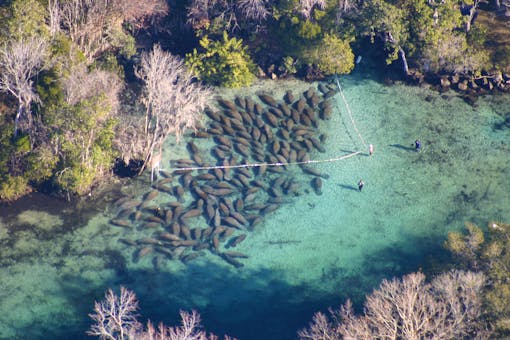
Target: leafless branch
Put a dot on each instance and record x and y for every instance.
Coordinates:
(306, 7)
(173, 99)
(255, 10)
(409, 308)
(20, 62)
(115, 317)
(89, 23)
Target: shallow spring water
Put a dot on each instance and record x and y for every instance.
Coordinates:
(55, 260)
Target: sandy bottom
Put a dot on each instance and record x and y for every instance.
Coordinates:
(310, 254)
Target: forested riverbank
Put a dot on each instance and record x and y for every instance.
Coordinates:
(79, 100)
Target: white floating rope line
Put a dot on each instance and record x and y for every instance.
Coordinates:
(350, 113)
(250, 165)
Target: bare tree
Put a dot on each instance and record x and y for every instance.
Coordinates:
(173, 99)
(91, 23)
(20, 62)
(255, 10)
(409, 308)
(202, 13)
(306, 7)
(115, 317)
(54, 17)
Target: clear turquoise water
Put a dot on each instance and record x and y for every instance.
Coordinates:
(56, 259)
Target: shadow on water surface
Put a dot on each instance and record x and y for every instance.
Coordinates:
(245, 303)
(348, 187)
(403, 147)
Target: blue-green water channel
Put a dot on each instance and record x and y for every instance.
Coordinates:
(56, 259)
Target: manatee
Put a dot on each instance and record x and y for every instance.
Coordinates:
(165, 251)
(179, 193)
(247, 119)
(288, 97)
(232, 261)
(215, 242)
(295, 115)
(212, 114)
(285, 109)
(243, 134)
(223, 140)
(258, 109)
(300, 105)
(242, 150)
(175, 228)
(276, 112)
(243, 141)
(325, 114)
(190, 257)
(329, 94)
(236, 254)
(227, 104)
(323, 88)
(143, 252)
(200, 134)
(166, 236)
(234, 241)
(191, 213)
(241, 102)
(269, 208)
(130, 204)
(317, 144)
(249, 104)
(215, 131)
(284, 133)
(185, 232)
(121, 223)
(239, 204)
(267, 99)
(239, 217)
(127, 242)
(196, 233)
(233, 114)
(317, 185)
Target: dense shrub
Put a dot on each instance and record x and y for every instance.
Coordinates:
(224, 63)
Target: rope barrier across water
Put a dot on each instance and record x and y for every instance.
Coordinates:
(350, 113)
(266, 164)
(250, 165)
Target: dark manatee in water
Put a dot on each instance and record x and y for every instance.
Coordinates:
(227, 104)
(289, 97)
(225, 200)
(317, 185)
(267, 99)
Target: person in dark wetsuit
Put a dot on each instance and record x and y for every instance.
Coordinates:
(417, 145)
(360, 185)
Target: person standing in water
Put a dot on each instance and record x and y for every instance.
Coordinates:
(371, 149)
(361, 184)
(417, 145)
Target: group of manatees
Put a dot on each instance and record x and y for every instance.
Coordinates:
(213, 209)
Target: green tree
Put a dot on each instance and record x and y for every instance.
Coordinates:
(332, 55)
(490, 253)
(223, 62)
(23, 19)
